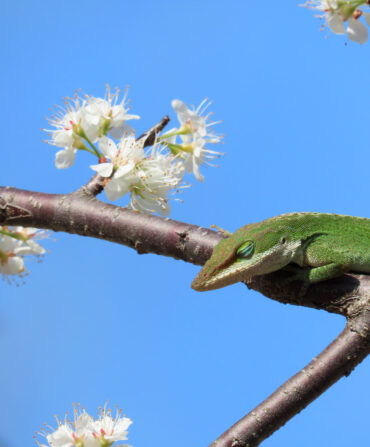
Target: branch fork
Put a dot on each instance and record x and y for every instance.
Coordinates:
(80, 212)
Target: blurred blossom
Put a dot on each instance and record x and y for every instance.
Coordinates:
(343, 16)
(85, 431)
(15, 243)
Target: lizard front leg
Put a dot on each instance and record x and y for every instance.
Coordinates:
(312, 275)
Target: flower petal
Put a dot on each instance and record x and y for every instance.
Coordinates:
(357, 31)
(103, 169)
(336, 24)
(116, 188)
(179, 106)
(125, 169)
(367, 17)
(65, 158)
(13, 266)
(62, 437)
(84, 424)
(108, 147)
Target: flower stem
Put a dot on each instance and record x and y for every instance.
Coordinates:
(94, 152)
(182, 131)
(13, 235)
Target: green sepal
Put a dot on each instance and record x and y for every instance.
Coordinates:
(105, 127)
(18, 236)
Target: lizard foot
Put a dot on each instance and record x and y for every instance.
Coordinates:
(221, 230)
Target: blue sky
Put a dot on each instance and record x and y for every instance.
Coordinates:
(95, 321)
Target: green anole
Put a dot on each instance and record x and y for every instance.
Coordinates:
(314, 246)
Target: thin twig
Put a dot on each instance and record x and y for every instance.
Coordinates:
(151, 134)
(94, 186)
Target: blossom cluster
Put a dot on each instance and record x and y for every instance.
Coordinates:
(15, 243)
(85, 431)
(339, 13)
(99, 126)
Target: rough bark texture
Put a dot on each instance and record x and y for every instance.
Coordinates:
(81, 213)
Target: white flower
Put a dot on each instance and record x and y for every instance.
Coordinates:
(83, 121)
(337, 13)
(192, 121)
(105, 115)
(148, 180)
(157, 176)
(10, 263)
(84, 431)
(28, 236)
(70, 131)
(123, 161)
(194, 134)
(192, 151)
(110, 429)
(129, 152)
(79, 433)
(198, 155)
(67, 122)
(15, 243)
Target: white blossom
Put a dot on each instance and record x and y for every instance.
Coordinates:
(111, 429)
(68, 122)
(29, 235)
(339, 13)
(148, 180)
(85, 123)
(192, 151)
(82, 121)
(195, 134)
(159, 175)
(15, 243)
(79, 433)
(123, 160)
(197, 155)
(191, 120)
(107, 116)
(84, 431)
(10, 263)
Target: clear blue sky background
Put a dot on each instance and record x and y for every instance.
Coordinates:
(95, 321)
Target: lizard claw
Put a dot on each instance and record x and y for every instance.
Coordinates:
(221, 230)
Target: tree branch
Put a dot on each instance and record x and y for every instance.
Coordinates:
(78, 213)
(335, 362)
(81, 213)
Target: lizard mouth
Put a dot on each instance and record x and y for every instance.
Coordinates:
(202, 284)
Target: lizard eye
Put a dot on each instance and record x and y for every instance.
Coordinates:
(283, 240)
(246, 250)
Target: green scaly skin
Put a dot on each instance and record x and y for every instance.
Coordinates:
(315, 246)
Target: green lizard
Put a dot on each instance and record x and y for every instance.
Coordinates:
(316, 246)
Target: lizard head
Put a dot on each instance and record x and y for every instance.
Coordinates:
(254, 249)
